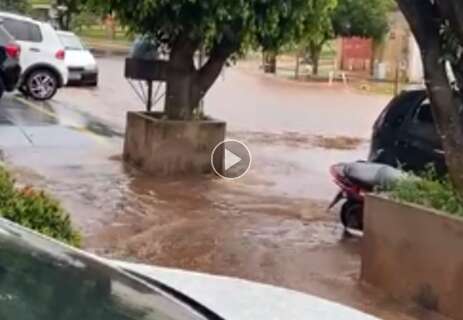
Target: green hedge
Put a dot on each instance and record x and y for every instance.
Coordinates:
(430, 191)
(35, 210)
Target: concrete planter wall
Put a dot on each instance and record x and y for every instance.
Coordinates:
(164, 147)
(414, 253)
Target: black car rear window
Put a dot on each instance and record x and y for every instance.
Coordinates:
(401, 106)
(424, 113)
(23, 30)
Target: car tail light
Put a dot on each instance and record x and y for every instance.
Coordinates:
(60, 55)
(13, 50)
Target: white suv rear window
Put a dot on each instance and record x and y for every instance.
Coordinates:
(23, 30)
(5, 37)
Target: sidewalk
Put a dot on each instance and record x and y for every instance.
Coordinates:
(358, 83)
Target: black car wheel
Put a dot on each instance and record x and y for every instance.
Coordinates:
(352, 215)
(41, 85)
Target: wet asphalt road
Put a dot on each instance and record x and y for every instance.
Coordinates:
(270, 226)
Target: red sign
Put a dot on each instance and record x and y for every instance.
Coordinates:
(357, 54)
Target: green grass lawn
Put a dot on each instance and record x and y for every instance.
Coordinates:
(99, 32)
(96, 36)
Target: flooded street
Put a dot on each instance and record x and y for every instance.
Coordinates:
(270, 226)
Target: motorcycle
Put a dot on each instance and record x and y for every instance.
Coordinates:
(355, 180)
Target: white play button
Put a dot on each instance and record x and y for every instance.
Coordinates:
(237, 160)
(230, 159)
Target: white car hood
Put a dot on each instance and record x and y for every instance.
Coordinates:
(80, 58)
(236, 299)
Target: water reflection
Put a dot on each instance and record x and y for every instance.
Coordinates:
(25, 113)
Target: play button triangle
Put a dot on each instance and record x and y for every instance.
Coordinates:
(231, 159)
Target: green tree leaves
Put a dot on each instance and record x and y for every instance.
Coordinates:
(224, 28)
(362, 18)
(235, 23)
(18, 6)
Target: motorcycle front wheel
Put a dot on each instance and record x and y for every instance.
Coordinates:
(352, 215)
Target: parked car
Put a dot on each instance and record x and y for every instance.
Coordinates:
(10, 69)
(79, 60)
(52, 281)
(405, 134)
(42, 56)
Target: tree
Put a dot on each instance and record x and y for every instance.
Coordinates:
(20, 6)
(346, 18)
(283, 32)
(85, 18)
(67, 10)
(222, 27)
(438, 28)
(359, 18)
(318, 29)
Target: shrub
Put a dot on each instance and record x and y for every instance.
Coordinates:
(35, 210)
(430, 191)
(7, 190)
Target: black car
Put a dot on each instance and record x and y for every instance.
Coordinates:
(405, 134)
(10, 69)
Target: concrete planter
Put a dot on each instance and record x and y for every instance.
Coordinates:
(414, 253)
(163, 147)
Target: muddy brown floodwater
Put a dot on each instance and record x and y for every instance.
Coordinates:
(270, 226)
(246, 228)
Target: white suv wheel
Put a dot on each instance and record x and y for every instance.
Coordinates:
(42, 85)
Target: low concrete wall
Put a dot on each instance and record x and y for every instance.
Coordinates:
(414, 253)
(164, 147)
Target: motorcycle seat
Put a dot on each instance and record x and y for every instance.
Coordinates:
(370, 175)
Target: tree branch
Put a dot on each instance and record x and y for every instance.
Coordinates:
(219, 55)
(422, 21)
(452, 10)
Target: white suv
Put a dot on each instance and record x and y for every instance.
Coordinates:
(42, 56)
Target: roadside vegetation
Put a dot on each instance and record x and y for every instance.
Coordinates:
(15, 5)
(429, 191)
(35, 210)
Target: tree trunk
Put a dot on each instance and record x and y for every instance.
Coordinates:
(298, 65)
(180, 103)
(113, 29)
(181, 96)
(64, 21)
(315, 50)
(446, 105)
(110, 24)
(67, 21)
(186, 85)
(61, 22)
(270, 62)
